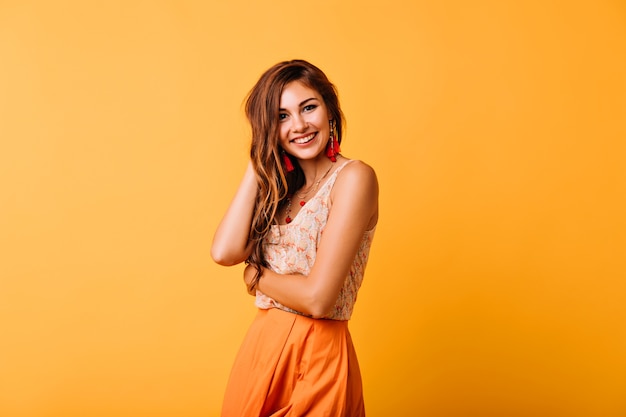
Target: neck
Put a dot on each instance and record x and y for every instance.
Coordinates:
(315, 169)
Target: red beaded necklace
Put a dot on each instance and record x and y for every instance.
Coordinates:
(302, 197)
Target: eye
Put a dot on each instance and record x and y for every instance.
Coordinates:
(310, 107)
(282, 116)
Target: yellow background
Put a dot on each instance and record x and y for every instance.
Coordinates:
(496, 285)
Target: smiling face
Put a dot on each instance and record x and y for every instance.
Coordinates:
(304, 121)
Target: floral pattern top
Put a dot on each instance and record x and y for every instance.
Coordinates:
(291, 249)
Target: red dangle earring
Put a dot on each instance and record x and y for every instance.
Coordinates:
(287, 162)
(332, 150)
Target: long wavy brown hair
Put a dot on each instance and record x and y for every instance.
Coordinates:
(274, 182)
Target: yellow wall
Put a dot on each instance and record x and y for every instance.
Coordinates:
(496, 285)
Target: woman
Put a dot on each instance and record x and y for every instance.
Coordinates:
(303, 218)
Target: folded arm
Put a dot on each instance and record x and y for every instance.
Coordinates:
(354, 211)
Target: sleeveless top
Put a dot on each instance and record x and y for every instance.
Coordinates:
(291, 249)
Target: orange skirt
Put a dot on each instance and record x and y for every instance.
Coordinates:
(292, 365)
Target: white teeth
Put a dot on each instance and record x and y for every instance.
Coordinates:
(305, 139)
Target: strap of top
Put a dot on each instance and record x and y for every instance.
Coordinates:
(333, 178)
(343, 165)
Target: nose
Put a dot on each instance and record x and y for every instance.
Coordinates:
(299, 123)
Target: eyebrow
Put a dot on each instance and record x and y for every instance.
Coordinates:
(302, 103)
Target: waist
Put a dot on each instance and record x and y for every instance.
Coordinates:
(264, 302)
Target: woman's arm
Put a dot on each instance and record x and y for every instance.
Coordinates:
(230, 242)
(354, 210)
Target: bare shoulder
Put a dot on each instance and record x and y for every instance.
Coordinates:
(355, 194)
(356, 182)
(358, 175)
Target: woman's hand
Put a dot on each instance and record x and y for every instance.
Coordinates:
(248, 277)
